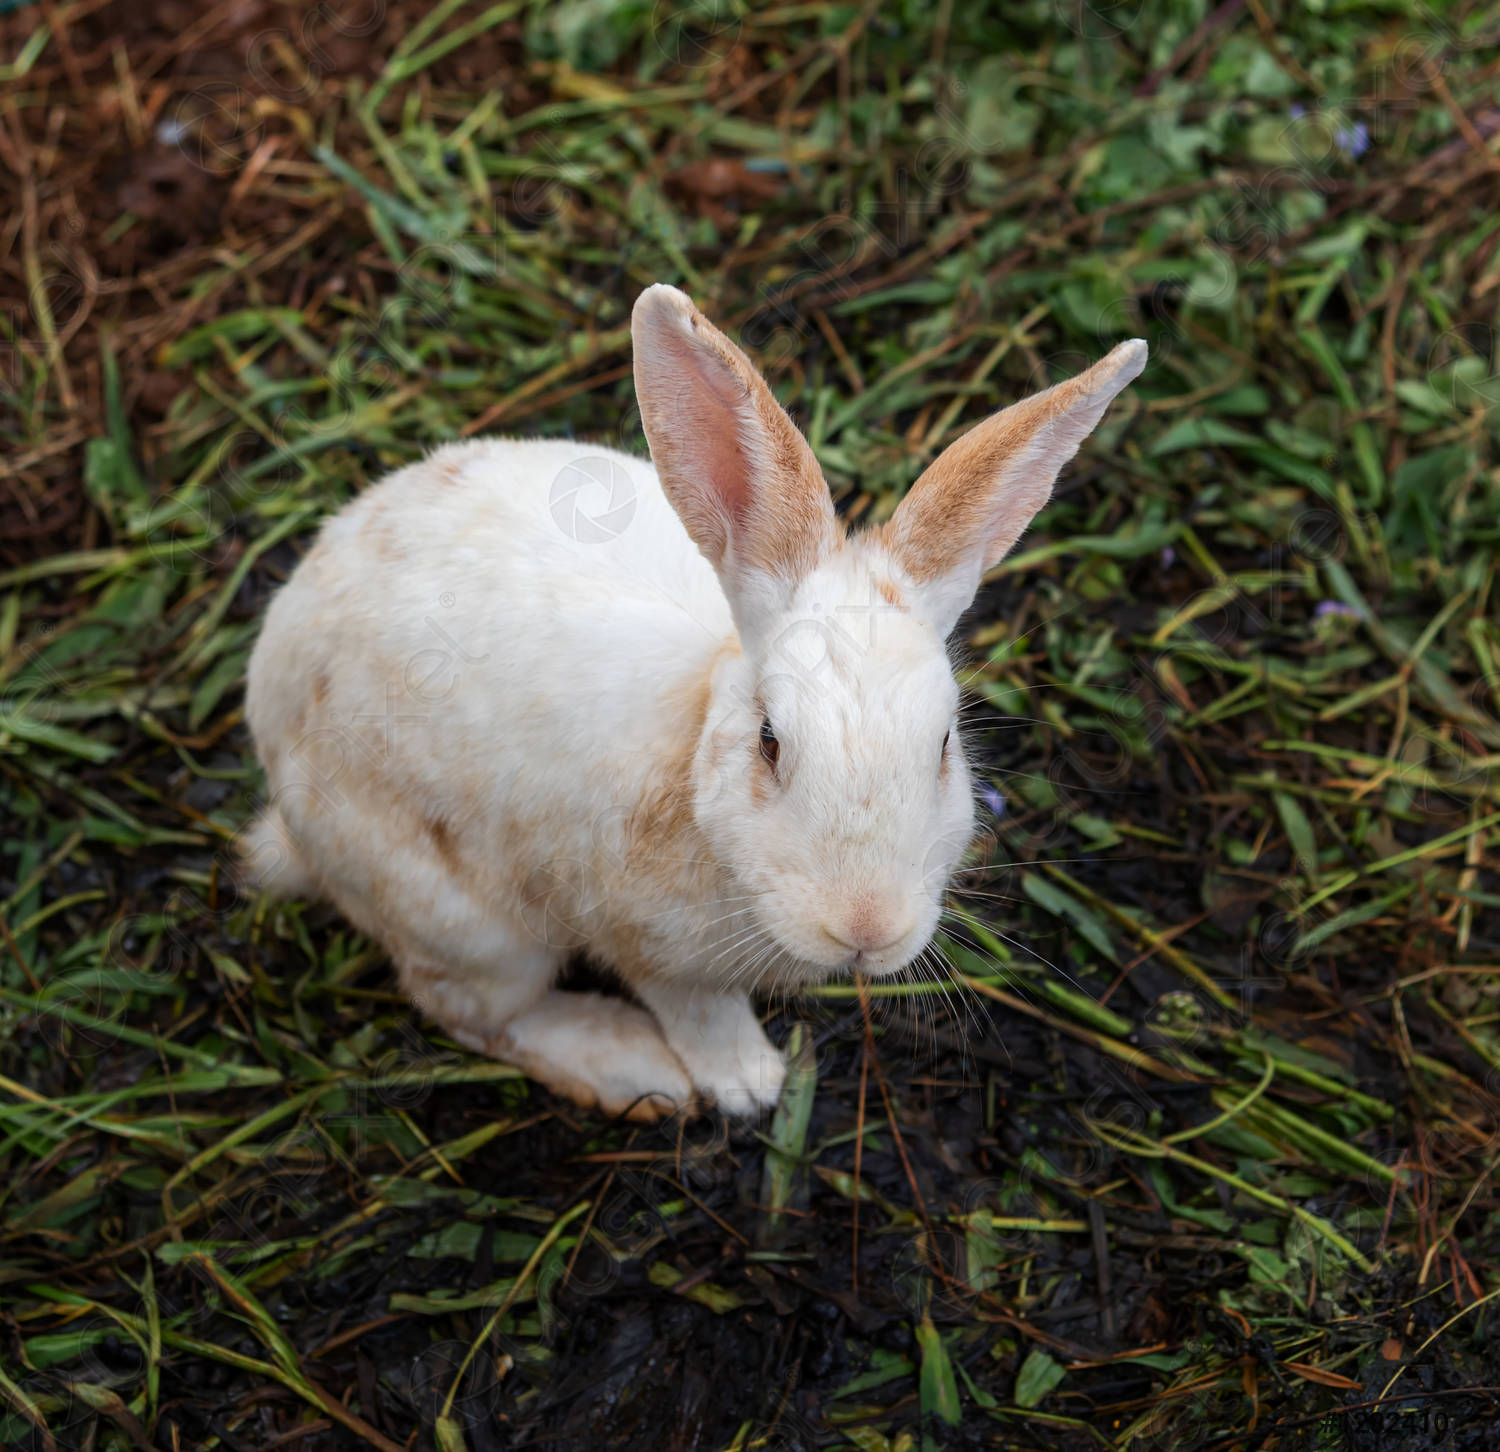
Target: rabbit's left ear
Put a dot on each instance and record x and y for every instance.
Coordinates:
(738, 472)
(977, 497)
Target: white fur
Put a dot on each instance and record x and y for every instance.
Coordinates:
(467, 715)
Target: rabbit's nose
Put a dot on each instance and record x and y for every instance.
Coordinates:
(869, 927)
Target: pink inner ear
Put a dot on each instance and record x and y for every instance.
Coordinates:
(726, 469)
(741, 478)
(710, 428)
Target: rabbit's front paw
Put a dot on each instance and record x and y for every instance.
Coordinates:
(745, 1084)
(722, 1046)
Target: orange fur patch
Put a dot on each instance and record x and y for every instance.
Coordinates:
(964, 505)
(661, 827)
(443, 844)
(950, 510)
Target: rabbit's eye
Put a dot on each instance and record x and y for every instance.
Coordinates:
(770, 747)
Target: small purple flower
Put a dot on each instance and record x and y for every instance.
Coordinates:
(1353, 140)
(1168, 557)
(993, 798)
(1296, 110)
(1326, 608)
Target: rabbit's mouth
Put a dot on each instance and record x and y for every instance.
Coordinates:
(876, 960)
(822, 956)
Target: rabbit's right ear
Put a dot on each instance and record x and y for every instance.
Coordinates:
(736, 469)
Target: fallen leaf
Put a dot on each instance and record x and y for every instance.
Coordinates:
(1323, 1378)
(722, 176)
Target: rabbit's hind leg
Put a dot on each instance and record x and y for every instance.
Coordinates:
(597, 1051)
(474, 1006)
(594, 1050)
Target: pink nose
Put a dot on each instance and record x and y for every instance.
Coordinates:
(869, 928)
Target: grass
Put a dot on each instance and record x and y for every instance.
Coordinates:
(1197, 1148)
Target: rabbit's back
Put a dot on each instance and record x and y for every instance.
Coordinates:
(500, 527)
(547, 563)
(488, 638)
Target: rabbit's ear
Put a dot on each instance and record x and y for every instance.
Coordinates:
(737, 471)
(973, 502)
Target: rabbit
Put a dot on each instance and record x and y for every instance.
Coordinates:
(700, 734)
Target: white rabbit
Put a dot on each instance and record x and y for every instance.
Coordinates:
(700, 735)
